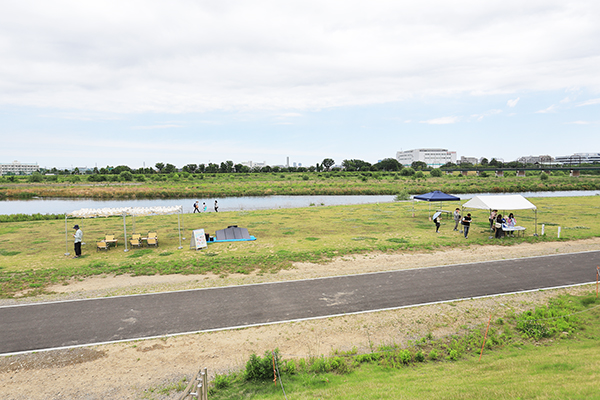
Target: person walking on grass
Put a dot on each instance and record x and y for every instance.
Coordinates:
(196, 209)
(466, 222)
(204, 207)
(216, 207)
(78, 239)
(437, 223)
(456, 215)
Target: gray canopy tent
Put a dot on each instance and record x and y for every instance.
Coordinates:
(124, 212)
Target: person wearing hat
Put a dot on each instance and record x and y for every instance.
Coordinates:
(78, 239)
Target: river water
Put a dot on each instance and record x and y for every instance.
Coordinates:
(61, 206)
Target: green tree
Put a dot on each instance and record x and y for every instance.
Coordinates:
(212, 168)
(327, 163)
(418, 165)
(170, 168)
(126, 176)
(388, 164)
(436, 172)
(356, 165)
(160, 166)
(191, 168)
(35, 177)
(484, 162)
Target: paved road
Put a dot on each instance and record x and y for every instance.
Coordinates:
(72, 323)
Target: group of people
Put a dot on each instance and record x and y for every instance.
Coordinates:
(204, 208)
(465, 221)
(497, 222)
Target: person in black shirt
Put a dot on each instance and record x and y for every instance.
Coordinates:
(466, 221)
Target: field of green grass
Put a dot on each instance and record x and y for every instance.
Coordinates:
(32, 252)
(551, 352)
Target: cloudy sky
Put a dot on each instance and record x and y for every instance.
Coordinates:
(180, 81)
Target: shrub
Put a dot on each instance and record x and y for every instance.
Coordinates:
(35, 177)
(452, 355)
(222, 381)
(436, 172)
(544, 176)
(125, 176)
(434, 355)
(419, 357)
(261, 369)
(483, 174)
(419, 174)
(407, 171)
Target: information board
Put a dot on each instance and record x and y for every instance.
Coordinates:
(198, 239)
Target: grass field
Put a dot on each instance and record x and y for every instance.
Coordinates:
(551, 352)
(265, 184)
(32, 252)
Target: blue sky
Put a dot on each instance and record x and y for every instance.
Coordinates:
(183, 82)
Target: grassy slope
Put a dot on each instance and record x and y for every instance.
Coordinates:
(334, 183)
(521, 368)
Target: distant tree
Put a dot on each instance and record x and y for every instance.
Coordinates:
(75, 171)
(169, 169)
(35, 177)
(327, 163)
(212, 168)
(449, 165)
(387, 164)
(484, 162)
(201, 168)
(255, 169)
(356, 165)
(120, 168)
(318, 167)
(240, 168)
(103, 171)
(160, 166)
(312, 168)
(226, 167)
(126, 176)
(190, 168)
(266, 168)
(418, 165)
(301, 169)
(496, 163)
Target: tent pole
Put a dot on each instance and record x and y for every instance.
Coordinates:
(125, 231)
(535, 234)
(179, 226)
(182, 226)
(66, 237)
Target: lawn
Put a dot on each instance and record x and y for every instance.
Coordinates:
(32, 253)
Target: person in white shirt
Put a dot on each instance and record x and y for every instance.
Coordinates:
(78, 239)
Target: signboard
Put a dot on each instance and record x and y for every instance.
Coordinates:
(198, 239)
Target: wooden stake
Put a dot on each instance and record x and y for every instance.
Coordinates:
(274, 373)
(485, 337)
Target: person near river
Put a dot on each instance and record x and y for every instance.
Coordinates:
(78, 239)
(196, 208)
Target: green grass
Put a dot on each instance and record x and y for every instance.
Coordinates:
(32, 252)
(514, 364)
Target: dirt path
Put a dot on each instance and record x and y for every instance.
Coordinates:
(139, 369)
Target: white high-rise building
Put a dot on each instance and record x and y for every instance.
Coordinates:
(432, 157)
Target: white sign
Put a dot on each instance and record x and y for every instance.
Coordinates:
(198, 239)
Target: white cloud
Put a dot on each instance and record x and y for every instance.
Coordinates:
(442, 121)
(513, 103)
(181, 56)
(583, 122)
(548, 110)
(165, 126)
(589, 102)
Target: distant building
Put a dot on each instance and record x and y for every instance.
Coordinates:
(545, 159)
(471, 160)
(18, 168)
(251, 164)
(431, 157)
(578, 158)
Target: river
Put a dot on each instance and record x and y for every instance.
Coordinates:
(61, 206)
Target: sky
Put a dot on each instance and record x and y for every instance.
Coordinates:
(135, 83)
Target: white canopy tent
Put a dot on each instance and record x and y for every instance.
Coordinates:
(502, 202)
(124, 211)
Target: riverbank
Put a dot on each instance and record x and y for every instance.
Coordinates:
(206, 186)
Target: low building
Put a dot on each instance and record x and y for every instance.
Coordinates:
(545, 159)
(432, 157)
(471, 160)
(578, 158)
(18, 168)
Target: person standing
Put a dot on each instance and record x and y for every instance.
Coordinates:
(492, 219)
(196, 209)
(216, 207)
(78, 239)
(204, 207)
(466, 222)
(437, 223)
(456, 215)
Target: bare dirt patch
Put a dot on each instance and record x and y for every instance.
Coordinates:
(134, 370)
